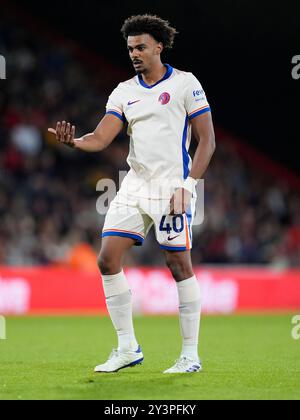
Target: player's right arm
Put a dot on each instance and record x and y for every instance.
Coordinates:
(100, 139)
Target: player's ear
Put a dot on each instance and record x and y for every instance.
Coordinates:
(160, 47)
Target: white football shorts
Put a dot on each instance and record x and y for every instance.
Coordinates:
(130, 216)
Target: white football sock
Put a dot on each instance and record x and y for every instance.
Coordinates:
(119, 305)
(189, 315)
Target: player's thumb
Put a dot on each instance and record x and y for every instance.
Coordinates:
(51, 130)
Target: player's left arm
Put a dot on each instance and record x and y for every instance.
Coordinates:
(203, 131)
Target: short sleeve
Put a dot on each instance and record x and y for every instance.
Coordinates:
(194, 98)
(114, 105)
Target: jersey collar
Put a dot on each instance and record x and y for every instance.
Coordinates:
(166, 76)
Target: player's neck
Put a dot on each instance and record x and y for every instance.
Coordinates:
(154, 75)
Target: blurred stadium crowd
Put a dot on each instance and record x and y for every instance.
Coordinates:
(48, 192)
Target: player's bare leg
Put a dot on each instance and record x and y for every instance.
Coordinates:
(180, 265)
(119, 304)
(113, 250)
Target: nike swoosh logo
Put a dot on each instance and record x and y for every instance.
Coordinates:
(171, 239)
(131, 103)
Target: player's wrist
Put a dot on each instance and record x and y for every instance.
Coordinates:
(190, 184)
(76, 142)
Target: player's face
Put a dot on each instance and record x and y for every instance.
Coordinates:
(144, 50)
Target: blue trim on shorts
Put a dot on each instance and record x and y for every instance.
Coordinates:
(174, 248)
(190, 217)
(139, 239)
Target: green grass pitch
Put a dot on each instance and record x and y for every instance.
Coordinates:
(244, 357)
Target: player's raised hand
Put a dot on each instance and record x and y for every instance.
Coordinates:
(64, 132)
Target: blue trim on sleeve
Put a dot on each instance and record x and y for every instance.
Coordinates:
(203, 111)
(116, 114)
(185, 154)
(166, 76)
(139, 239)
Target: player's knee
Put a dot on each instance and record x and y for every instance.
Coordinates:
(180, 268)
(107, 264)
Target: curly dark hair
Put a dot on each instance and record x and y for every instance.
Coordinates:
(153, 25)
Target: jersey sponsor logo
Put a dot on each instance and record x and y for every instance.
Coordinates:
(133, 102)
(197, 93)
(164, 98)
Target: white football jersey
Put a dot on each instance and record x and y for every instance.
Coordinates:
(159, 123)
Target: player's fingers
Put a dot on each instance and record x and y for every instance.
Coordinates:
(172, 210)
(178, 206)
(177, 212)
(73, 132)
(68, 133)
(52, 131)
(68, 129)
(171, 206)
(58, 128)
(63, 131)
